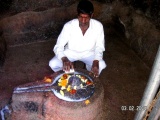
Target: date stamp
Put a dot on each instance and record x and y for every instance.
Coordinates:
(133, 108)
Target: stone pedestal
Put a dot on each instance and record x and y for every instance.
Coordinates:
(46, 106)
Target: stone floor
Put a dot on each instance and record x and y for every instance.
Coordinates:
(124, 79)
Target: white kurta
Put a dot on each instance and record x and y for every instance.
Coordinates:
(76, 46)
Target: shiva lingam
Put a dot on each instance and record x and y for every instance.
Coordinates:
(73, 86)
(48, 99)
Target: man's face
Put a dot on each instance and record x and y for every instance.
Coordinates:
(84, 20)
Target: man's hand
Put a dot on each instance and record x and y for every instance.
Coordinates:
(95, 68)
(67, 65)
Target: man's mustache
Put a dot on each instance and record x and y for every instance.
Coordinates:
(83, 24)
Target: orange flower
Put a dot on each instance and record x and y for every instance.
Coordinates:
(89, 82)
(63, 82)
(47, 79)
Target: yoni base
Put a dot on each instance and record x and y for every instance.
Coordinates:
(46, 106)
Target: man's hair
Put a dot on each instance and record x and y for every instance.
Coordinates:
(85, 7)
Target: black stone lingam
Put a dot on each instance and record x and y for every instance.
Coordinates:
(74, 81)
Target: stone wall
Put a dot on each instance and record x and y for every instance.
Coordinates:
(32, 26)
(141, 33)
(38, 5)
(44, 21)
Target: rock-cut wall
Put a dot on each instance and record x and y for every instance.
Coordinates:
(141, 33)
(32, 25)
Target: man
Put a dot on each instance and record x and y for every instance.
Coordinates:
(80, 39)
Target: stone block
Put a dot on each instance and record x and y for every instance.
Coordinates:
(27, 106)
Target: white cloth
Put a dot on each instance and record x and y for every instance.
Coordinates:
(57, 65)
(76, 46)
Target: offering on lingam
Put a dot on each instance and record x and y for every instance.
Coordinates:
(76, 87)
(61, 95)
(73, 86)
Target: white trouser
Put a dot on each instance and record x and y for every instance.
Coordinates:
(57, 64)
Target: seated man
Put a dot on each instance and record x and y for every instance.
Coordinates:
(81, 39)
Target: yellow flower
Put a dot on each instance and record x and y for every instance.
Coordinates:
(87, 102)
(61, 92)
(69, 88)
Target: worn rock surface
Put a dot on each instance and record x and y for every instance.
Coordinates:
(29, 27)
(142, 35)
(38, 5)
